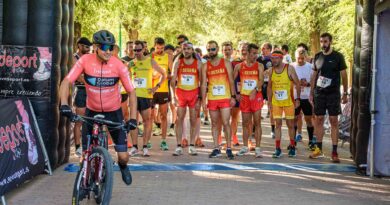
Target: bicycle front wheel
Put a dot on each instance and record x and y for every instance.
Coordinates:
(101, 164)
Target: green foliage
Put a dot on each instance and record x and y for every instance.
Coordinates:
(276, 21)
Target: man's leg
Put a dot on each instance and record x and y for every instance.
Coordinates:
(163, 112)
(246, 128)
(257, 124)
(77, 131)
(215, 119)
(181, 113)
(193, 123)
(334, 123)
(234, 125)
(174, 116)
(225, 114)
(147, 122)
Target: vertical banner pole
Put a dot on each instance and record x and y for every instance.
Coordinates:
(47, 162)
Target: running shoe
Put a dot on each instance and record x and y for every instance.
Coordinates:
(292, 152)
(157, 132)
(192, 151)
(243, 151)
(133, 152)
(311, 146)
(149, 145)
(126, 175)
(215, 153)
(258, 153)
(164, 145)
(298, 138)
(229, 153)
(317, 153)
(206, 122)
(171, 132)
(178, 151)
(335, 157)
(278, 153)
(146, 152)
(79, 151)
(273, 135)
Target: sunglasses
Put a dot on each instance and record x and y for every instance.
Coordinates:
(137, 50)
(105, 47)
(211, 49)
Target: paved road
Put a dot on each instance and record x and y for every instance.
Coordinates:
(165, 179)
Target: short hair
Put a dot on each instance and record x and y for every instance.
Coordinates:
(277, 52)
(129, 42)
(300, 51)
(159, 41)
(285, 47)
(138, 42)
(303, 45)
(211, 42)
(326, 34)
(169, 47)
(198, 50)
(182, 36)
(227, 43)
(267, 44)
(252, 46)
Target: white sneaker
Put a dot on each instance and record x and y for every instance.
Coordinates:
(178, 151)
(79, 151)
(146, 152)
(192, 151)
(171, 132)
(157, 132)
(258, 153)
(244, 150)
(133, 152)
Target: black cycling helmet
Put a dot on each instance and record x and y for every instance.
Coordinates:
(104, 37)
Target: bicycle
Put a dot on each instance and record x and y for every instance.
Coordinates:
(96, 168)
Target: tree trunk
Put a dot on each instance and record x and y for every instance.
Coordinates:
(315, 41)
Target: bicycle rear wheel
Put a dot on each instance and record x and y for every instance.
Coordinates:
(103, 186)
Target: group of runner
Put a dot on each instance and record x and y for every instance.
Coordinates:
(221, 86)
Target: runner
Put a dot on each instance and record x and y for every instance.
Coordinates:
(265, 59)
(162, 96)
(142, 68)
(217, 80)
(83, 47)
(129, 52)
(282, 78)
(251, 99)
(102, 73)
(242, 49)
(186, 72)
(304, 72)
(329, 67)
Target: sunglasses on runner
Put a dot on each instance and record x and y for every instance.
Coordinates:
(211, 49)
(137, 50)
(105, 47)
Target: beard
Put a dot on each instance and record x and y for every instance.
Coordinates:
(213, 56)
(187, 56)
(325, 48)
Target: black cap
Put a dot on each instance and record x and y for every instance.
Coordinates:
(84, 41)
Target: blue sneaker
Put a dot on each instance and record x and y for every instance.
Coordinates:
(215, 153)
(277, 154)
(298, 138)
(292, 152)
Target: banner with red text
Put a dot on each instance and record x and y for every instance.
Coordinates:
(25, 71)
(21, 154)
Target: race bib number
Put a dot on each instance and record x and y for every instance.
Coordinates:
(219, 90)
(188, 79)
(323, 82)
(281, 95)
(249, 84)
(140, 82)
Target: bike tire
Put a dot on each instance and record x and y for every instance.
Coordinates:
(108, 172)
(76, 188)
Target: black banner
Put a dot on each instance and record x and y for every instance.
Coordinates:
(21, 156)
(25, 71)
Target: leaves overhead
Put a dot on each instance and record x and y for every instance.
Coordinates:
(276, 21)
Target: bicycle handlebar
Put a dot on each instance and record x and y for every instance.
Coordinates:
(100, 121)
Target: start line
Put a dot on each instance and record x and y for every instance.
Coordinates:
(74, 167)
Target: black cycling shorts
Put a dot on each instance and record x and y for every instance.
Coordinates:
(305, 107)
(143, 103)
(161, 98)
(118, 135)
(124, 97)
(327, 101)
(264, 91)
(80, 99)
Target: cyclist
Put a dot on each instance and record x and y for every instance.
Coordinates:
(102, 74)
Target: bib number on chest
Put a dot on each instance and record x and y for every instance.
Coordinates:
(219, 90)
(249, 84)
(323, 82)
(140, 82)
(188, 80)
(281, 95)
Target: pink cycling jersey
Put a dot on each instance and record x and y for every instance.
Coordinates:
(101, 81)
